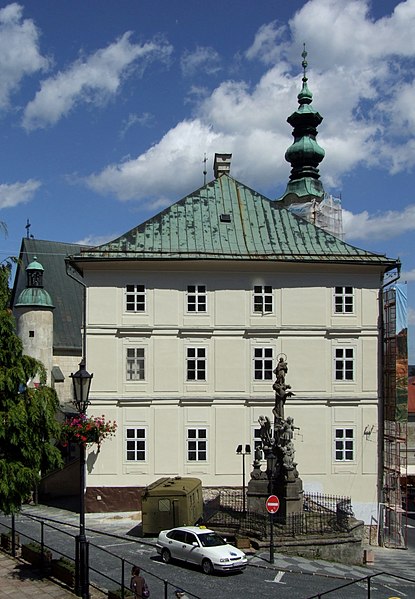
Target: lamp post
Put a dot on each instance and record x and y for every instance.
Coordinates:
(243, 454)
(81, 385)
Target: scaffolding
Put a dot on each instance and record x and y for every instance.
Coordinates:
(392, 513)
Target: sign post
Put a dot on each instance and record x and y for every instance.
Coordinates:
(273, 505)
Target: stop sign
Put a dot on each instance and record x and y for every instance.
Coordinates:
(272, 504)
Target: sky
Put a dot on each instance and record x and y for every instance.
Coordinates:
(108, 108)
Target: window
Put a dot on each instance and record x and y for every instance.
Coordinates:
(197, 444)
(263, 361)
(256, 439)
(344, 363)
(196, 363)
(135, 442)
(343, 300)
(196, 298)
(135, 298)
(135, 364)
(344, 444)
(263, 298)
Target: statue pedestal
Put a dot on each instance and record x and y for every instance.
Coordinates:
(289, 491)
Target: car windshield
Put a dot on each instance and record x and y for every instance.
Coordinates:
(211, 539)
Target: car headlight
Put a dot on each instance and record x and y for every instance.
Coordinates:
(224, 559)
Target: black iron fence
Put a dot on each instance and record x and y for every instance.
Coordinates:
(322, 514)
(47, 552)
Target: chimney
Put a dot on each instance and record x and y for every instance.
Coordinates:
(222, 164)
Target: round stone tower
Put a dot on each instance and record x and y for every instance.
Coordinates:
(34, 316)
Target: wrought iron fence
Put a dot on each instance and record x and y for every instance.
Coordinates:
(322, 514)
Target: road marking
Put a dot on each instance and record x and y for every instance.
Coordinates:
(394, 591)
(278, 577)
(118, 544)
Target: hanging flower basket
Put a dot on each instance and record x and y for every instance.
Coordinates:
(87, 430)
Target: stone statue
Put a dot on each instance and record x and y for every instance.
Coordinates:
(282, 391)
(267, 438)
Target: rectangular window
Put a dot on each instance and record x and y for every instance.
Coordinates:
(135, 298)
(135, 444)
(344, 363)
(263, 361)
(344, 445)
(256, 439)
(343, 300)
(135, 363)
(263, 299)
(197, 444)
(196, 298)
(196, 363)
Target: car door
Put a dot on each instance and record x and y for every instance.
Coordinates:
(193, 550)
(176, 544)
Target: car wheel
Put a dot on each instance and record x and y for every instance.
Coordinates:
(166, 556)
(207, 566)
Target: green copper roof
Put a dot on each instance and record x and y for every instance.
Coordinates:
(304, 154)
(34, 296)
(225, 219)
(35, 265)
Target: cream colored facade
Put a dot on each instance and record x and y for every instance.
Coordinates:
(226, 405)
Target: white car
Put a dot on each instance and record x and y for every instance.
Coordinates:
(201, 546)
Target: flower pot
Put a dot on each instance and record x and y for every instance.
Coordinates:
(32, 553)
(6, 540)
(64, 570)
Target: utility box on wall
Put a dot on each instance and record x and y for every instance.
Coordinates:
(170, 502)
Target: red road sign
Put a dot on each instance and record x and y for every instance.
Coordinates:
(272, 504)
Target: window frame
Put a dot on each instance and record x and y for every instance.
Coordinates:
(343, 297)
(196, 358)
(265, 369)
(197, 440)
(199, 299)
(340, 444)
(136, 439)
(262, 299)
(135, 349)
(139, 298)
(344, 360)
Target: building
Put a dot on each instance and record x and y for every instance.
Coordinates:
(187, 313)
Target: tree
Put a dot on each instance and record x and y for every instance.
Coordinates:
(28, 422)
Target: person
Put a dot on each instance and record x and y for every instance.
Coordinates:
(137, 584)
(180, 593)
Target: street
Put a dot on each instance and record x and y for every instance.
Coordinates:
(259, 580)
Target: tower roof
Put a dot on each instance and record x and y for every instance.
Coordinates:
(304, 154)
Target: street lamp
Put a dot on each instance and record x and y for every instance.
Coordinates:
(81, 386)
(243, 454)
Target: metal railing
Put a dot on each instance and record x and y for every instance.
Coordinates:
(322, 514)
(100, 580)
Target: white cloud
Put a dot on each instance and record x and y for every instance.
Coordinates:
(356, 89)
(202, 60)
(265, 45)
(385, 225)
(17, 193)
(90, 81)
(162, 169)
(94, 240)
(19, 51)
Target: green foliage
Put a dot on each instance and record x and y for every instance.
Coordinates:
(28, 422)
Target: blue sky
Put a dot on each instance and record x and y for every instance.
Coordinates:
(107, 109)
